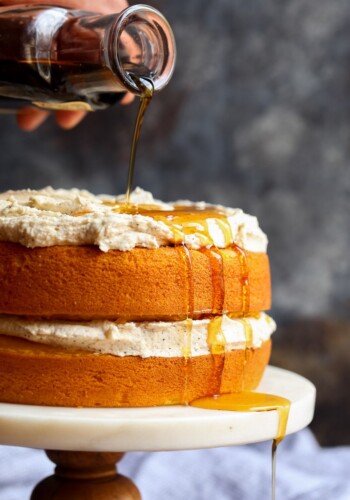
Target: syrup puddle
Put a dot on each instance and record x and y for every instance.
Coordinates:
(252, 402)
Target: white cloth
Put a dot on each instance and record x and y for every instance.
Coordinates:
(305, 471)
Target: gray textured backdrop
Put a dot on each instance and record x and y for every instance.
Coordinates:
(257, 116)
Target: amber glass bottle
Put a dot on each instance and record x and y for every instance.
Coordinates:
(66, 59)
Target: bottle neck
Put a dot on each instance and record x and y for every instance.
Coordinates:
(141, 44)
(121, 48)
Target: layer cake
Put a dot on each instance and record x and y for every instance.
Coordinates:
(104, 303)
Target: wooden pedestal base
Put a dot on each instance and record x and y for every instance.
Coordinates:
(85, 476)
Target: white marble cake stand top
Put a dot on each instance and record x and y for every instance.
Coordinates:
(159, 428)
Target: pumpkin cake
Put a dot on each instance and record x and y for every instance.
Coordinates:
(108, 304)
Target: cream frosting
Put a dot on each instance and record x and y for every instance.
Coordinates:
(161, 339)
(51, 217)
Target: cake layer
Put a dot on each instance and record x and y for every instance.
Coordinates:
(161, 339)
(71, 217)
(37, 374)
(167, 283)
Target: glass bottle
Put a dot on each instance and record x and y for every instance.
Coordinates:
(66, 59)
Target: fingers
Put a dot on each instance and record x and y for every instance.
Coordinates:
(29, 119)
(69, 119)
(127, 99)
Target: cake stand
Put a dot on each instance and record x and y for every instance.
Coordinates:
(88, 442)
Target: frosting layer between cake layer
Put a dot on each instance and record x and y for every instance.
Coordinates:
(161, 339)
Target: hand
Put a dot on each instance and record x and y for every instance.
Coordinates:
(30, 118)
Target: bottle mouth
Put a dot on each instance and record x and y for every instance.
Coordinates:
(144, 47)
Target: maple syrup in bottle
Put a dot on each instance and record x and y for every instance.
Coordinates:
(58, 58)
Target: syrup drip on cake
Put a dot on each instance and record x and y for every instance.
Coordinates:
(183, 220)
(248, 334)
(216, 339)
(243, 260)
(218, 282)
(217, 343)
(187, 356)
(185, 256)
(226, 229)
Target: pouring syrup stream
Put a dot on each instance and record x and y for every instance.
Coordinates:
(147, 89)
